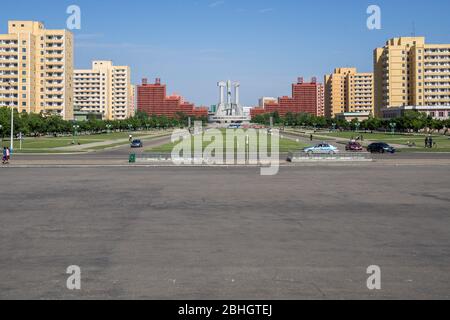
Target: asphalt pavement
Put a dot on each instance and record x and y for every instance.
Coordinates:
(225, 233)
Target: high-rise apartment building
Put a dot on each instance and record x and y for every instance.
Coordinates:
(104, 89)
(132, 109)
(409, 72)
(320, 100)
(347, 91)
(307, 97)
(36, 69)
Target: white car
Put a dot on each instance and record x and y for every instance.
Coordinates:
(322, 148)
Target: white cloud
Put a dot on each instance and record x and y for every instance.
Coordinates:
(266, 10)
(216, 4)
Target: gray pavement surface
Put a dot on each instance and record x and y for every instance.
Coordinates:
(225, 233)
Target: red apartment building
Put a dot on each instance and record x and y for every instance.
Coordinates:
(153, 100)
(307, 97)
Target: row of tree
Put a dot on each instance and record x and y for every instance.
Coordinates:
(411, 121)
(39, 124)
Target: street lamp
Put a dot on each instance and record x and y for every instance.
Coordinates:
(75, 128)
(393, 126)
(11, 92)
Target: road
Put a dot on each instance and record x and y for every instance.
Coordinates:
(225, 233)
(397, 156)
(120, 154)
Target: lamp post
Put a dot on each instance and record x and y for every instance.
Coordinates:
(11, 92)
(393, 126)
(75, 128)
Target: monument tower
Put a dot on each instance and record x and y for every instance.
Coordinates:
(229, 109)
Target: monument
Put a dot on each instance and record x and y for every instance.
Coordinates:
(229, 110)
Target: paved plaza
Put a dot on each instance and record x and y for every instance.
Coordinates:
(225, 233)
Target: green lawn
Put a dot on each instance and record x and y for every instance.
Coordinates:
(286, 145)
(46, 144)
(443, 142)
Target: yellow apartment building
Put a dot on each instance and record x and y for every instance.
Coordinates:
(347, 91)
(104, 89)
(36, 69)
(409, 72)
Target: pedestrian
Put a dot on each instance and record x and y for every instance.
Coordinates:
(430, 141)
(311, 137)
(8, 155)
(427, 141)
(4, 155)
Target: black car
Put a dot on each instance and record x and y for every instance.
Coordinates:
(380, 147)
(137, 144)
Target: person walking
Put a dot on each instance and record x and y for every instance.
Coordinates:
(8, 155)
(431, 142)
(311, 137)
(4, 155)
(427, 141)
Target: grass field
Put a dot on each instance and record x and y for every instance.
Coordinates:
(442, 142)
(50, 144)
(286, 145)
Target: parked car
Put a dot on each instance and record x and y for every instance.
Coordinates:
(323, 148)
(353, 146)
(380, 147)
(137, 144)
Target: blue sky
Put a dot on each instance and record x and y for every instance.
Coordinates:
(265, 44)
